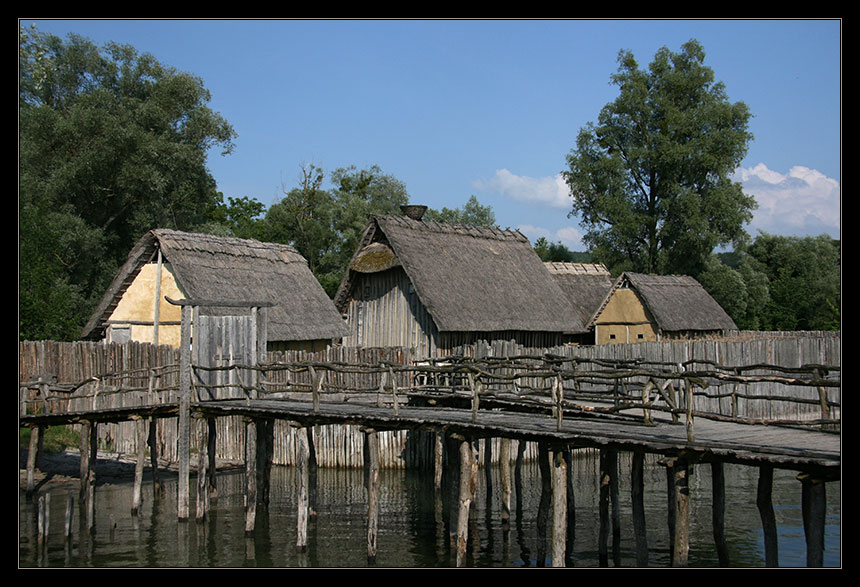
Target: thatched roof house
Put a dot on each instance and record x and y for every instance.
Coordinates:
(432, 286)
(643, 307)
(585, 285)
(201, 266)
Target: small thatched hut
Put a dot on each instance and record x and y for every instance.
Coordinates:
(433, 286)
(206, 267)
(642, 307)
(584, 284)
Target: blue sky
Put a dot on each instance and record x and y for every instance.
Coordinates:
(491, 108)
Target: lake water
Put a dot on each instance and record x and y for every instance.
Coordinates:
(412, 531)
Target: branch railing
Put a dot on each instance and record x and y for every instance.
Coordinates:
(624, 390)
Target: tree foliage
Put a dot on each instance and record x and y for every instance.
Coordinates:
(650, 180)
(472, 213)
(111, 144)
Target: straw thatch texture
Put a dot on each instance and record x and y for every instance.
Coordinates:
(472, 279)
(678, 303)
(584, 284)
(224, 268)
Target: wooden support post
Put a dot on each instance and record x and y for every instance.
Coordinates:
(137, 494)
(468, 485)
(438, 452)
(89, 452)
(303, 480)
(545, 504)
(211, 439)
(670, 510)
(250, 476)
(609, 494)
(266, 450)
(152, 442)
(184, 432)
(718, 514)
(814, 509)
(571, 507)
(505, 474)
(681, 486)
(637, 483)
(36, 435)
(559, 507)
(371, 439)
(202, 469)
(768, 519)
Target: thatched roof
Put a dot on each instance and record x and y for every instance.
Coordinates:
(470, 279)
(218, 268)
(584, 284)
(678, 303)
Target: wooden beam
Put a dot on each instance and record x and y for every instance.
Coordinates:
(559, 507)
(371, 439)
(814, 509)
(768, 518)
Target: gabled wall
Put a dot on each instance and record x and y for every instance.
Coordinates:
(134, 316)
(624, 319)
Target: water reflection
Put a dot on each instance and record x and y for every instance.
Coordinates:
(414, 526)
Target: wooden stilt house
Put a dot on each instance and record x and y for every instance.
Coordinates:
(641, 308)
(183, 265)
(433, 286)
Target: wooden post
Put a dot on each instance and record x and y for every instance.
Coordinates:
(136, 498)
(36, 436)
(609, 493)
(670, 510)
(559, 508)
(505, 474)
(438, 452)
(211, 439)
(814, 509)
(302, 478)
(468, 484)
(768, 519)
(545, 503)
(70, 506)
(89, 452)
(152, 442)
(202, 469)
(637, 482)
(371, 439)
(250, 476)
(184, 432)
(681, 544)
(265, 451)
(603, 511)
(571, 507)
(718, 492)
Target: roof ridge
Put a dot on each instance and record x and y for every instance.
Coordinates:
(472, 230)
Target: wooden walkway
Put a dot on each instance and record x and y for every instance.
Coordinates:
(638, 411)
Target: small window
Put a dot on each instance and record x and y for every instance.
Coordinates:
(640, 336)
(611, 337)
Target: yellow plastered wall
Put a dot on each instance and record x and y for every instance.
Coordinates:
(138, 305)
(624, 320)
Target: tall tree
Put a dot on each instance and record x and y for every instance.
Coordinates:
(472, 213)
(650, 180)
(111, 144)
(326, 226)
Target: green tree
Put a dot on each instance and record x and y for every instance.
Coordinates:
(111, 144)
(804, 277)
(741, 290)
(325, 226)
(473, 213)
(650, 180)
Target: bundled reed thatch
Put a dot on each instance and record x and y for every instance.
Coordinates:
(218, 268)
(584, 284)
(467, 278)
(677, 303)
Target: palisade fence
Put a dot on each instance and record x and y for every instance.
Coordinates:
(81, 373)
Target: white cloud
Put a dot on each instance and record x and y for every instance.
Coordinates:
(548, 191)
(800, 203)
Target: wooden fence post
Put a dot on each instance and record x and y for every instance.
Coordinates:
(184, 432)
(371, 439)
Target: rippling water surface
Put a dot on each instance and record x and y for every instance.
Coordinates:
(412, 529)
